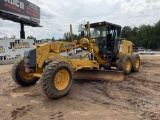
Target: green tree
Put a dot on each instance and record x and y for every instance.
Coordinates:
(126, 32)
(13, 37)
(53, 39)
(5, 37)
(67, 37)
(146, 36)
(31, 37)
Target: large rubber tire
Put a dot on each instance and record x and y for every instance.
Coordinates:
(119, 66)
(20, 76)
(125, 64)
(54, 86)
(135, 63)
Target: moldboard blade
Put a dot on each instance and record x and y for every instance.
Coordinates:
(110, 75)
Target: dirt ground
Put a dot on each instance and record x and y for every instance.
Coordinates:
(135, 98)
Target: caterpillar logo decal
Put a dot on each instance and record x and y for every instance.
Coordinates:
(68, 46)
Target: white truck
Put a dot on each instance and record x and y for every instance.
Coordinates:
(143, 51)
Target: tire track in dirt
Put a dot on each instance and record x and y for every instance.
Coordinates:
(128, 95)
(56, 115)
(21, 111)
(150, 115)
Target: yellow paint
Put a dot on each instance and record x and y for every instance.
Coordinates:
(82, 64)
(41, 51)
(137, 63)
(37, 75)
(45, 56)
(56, 47)
(61, 79)
(71, 33)
(25, 75)
(89, 32)
(128, 65)
(84, 42)
(126, 48)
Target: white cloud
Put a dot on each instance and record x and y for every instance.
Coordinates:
(47, 12)
(141, 6)
(91, 1)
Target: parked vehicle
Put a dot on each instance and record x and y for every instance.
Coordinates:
(142, 51)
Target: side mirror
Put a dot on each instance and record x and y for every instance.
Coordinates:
(82, 33)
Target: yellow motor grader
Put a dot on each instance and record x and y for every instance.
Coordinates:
(110, 57)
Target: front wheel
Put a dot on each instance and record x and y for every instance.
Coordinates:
(57, 79)
(20, 76)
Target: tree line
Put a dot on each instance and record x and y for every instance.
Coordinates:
(6, 37)
(146, 36)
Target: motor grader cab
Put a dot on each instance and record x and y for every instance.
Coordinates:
(57, 72)
(108, 40)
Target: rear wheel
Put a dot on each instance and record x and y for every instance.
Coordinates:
(57, 79)
(125, 64)
(20, 76)
(135, 62)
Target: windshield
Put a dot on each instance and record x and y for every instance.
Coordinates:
(98, 32)
(103, 31)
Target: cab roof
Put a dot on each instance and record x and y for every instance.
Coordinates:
(104, 23)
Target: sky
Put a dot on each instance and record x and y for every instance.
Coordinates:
(57, 15)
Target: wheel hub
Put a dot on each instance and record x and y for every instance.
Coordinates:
(61, 79)
(137, 63)
(128, 65)
(26, 75)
